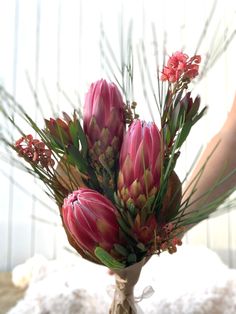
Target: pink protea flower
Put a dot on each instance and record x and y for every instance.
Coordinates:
(104, 122)
(140, 164)
(180, 65)
(91, 220)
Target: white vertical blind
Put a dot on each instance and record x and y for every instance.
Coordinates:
(57, 44)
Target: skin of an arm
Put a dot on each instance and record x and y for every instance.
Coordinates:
(221, 163)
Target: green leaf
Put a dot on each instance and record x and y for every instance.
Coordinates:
(58, 143)
(175, 118)
(141, 247)
(143, 215)
(83, 139)
(92, 181)
(200, 115)
(60, 135)
(193, 111)
(130, 219)
(184, 133)
(107, 259)
(117, 200)
(54, 145)
(149, 202)
(167, 135)
(167, 99)
(178, 98)
(121, 249)
(132, 258)
(76, 157)
(132, 209)
(125, 227)
(74, 134)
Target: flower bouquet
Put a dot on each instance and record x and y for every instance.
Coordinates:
(113, 175)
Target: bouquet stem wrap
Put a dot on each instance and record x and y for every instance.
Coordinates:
(126, 279)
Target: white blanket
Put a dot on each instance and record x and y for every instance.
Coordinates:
(192, 281)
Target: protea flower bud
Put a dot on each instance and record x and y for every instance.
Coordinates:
(140, 164)
(172, 199)
(190, 106)
(90, 218)
(104, 122)
(60, 129)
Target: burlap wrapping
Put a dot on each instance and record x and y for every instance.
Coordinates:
(126, 279)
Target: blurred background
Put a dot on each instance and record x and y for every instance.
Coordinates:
(55, 49)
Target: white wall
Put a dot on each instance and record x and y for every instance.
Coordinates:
(57, 42)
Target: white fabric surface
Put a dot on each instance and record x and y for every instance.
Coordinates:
(192, 281)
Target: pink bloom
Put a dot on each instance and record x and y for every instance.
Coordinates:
(91, 220)
(192, 71)
(140, 163)
(104, 121)
(180, 65)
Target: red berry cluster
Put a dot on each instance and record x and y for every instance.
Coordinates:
(34, 150)
(168, 239)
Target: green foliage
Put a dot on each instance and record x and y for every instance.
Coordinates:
(107, 259)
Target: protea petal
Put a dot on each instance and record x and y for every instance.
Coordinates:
(135, 189)
(94, 130)
(134, 138)
(128, 171)
(142, 160)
